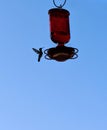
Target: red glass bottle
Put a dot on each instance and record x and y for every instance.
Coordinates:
(59, 25)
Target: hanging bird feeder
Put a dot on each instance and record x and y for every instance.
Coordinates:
(60, 35)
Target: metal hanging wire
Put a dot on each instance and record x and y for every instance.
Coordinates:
(59, 6)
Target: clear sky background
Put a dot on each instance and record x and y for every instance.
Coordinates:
(52, 95)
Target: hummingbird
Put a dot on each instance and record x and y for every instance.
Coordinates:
(39, 52)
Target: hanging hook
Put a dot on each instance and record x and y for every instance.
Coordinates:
(59, 6)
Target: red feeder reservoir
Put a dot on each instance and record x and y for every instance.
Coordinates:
(59, 25)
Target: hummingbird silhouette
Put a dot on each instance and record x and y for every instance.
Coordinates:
(39, 52)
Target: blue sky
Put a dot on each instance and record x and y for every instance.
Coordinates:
(50, 95)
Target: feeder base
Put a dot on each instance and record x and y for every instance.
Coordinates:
(61, 53)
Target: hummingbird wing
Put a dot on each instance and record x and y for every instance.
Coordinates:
(35, 50)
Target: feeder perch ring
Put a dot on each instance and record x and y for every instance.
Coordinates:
(61, 53)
